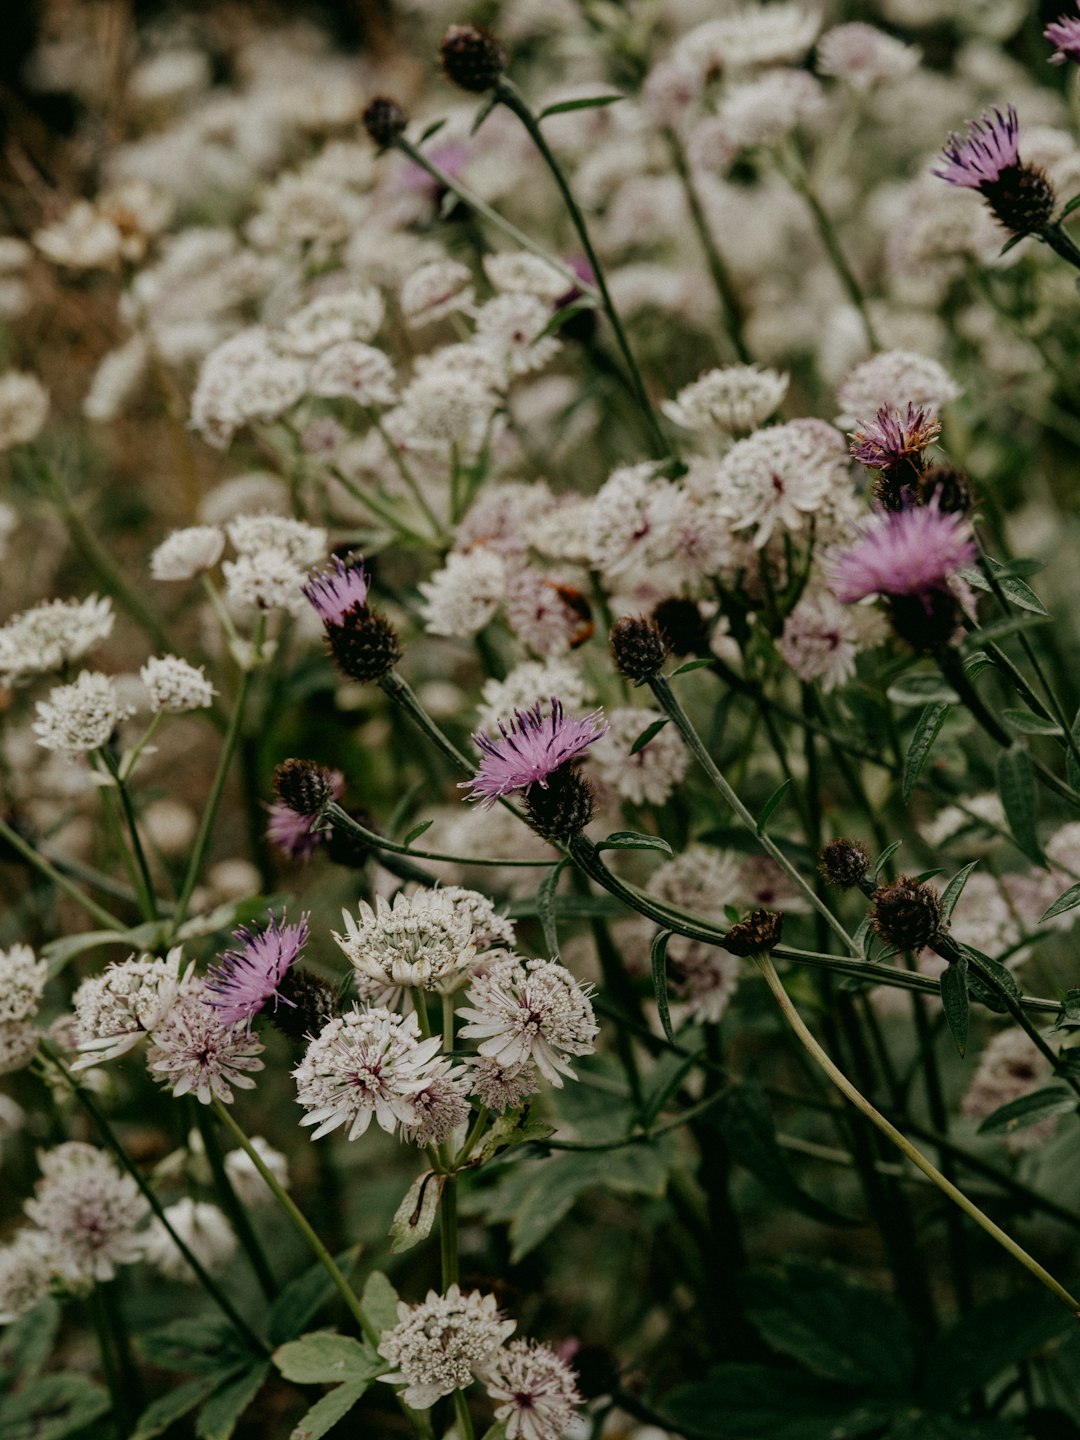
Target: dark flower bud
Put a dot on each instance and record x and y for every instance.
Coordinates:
(684, 626)
(906, 914)
(344, 847)
(844, 863)
(1021, 198)
(926, 624)
(563, 806)
(947, 487)
(472, 58)
(384, 120)
(365, 645)
(306, 1003)
(304, 786)
(758, 933)
(639, 646)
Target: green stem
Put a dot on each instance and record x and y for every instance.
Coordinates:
(448, 1232)
(796, 173)
(1061, 243)
(37, 861)
(406, 474)
(122, 1414)
(285, 1200)
(383, 511)
(478, 1127)
(917, 1158)
(147, 898)
(238, 1216)
(464, 1419)
(342, 820)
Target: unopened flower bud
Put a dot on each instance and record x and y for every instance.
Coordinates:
(1022, 198)
(563, 806)
(472, 58)
(365, 645)
(304, 786)
(947, 487)
(384, 120)
(906, 914)
(758, 933)
(844, 863)
(306, 1003)
(639, 646)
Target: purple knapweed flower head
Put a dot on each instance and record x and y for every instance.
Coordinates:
(991, 146)
(337, 592)
(893, 437)
(248, 977)
(1064, 32)
(296, 834)
(530, 749)
(908, 553)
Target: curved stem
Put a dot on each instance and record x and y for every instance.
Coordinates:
(406, 474)
(147, 898)
(342, 820)
(37, 861)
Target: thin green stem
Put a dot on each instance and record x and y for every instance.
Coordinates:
(37, 861)
(147, 898)
(238, 1216)
(400, 465)
(464, 1419)
(1061, 243)
(448, 1232)
(478, 1127)
(383, 511)
(122, 1415)
(342, 820)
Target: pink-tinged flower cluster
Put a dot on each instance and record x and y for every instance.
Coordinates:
(907, 552)
(338, 591)
(247, 978)
(893, 437)
(1064, 32)
(531, 748)
(990, 147)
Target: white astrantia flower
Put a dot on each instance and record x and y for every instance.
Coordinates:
(441, 1105)
(28, 1266)
(245, 378)
(83, 239)
(464, 595)
(897, 378)
(305, 212)
(87, 1206)
(764, 110)
(19, 1040)
(547, 618)
(24, 408)
(520, 272)
(1011, 1066)
(700, 879)
(820, 640)
(186, 553)
(502, 513)
(502, 1087)
(534, 682)
(266, 580)
(647, 777)
(22, 983)
(535, 1392)
(115, 380)
(443, 1344)
(701, 978)
(329, 319)
(511, 328)
(53, 634)
(864, 57)
(80, 717)
(251, 1189)
(175, 686)
(354, 371)
(117, 1008)
(366, 1064)
(776, 479)
(732, 400)
(193, 1053)
(436, 290)
(305, 545)
(441, 409)
(774, 34)
(490, 930)
(203, 1229)
(422, 941)
(530, 1011)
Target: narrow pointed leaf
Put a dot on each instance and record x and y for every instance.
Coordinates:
(954, 1000)
(1016, 784)
(927, 729)
(416, 832)
(689, 665)
(592, 102)
(1029, 724)
(954, 889)
(326, 1413)
(659, 980)
(885, 856)
(634, 840)
(649, 733)
(1066, 901)
(545, 907)
(1029, 1110)
(770, 805)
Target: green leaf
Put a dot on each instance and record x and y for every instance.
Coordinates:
(1013, 241)
(168, 1408)
(633, 840)
(659, 980)
(649, 733)
(432, 129)
(1072, 769)
(954, 889)
(218, 1417)
(562, 317)
(669, 1072)
(483, 113)
(885, 856)
(1001, 629)
(515, 1128)
(988, 992)
(49, 1407)
(1016, 784)
(25, 1345)
(925, 1425)
(67, 947)
(992, 1338)
(379, 1300)
(1069, 207)
(689, 665)
(954, 1000)
(593, 102)
(1027, 1110)
(1029, 724)
(545, 906)
(837, 1329)
(771, 804)
(415, 1215)
(416, 832)
(1022, 595)
(923, 687)
(195, 1346)
(745, 1122)
(302, 1299)
(329, 1410)
(325, 1358)
(927, 729)
(1068, 900)
(752, 1402)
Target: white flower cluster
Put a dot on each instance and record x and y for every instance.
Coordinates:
(52, 635)
(89, 1213)
(80, 717)
(129, 998)
(22, 984)
(175, 686)
(427, 941)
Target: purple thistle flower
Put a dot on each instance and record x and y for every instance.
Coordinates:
(990, 147)
(337, 592)
(1065, 34)
(911, 552)
(248, 977)
(531, 748)
(294, 833)
(892, 438)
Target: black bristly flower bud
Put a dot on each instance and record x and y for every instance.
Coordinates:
(384, 120)
(304, 786)
(639, 646)
(906, 914)
(947, 487)
(306, 1004)
(365, 646)
(844, 863)
(563, 806)
(757, 934)
(1022, 198)
(472, 58)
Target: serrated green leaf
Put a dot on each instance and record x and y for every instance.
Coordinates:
(1029, 724)
(633, 840)
(759, 1402)
(924, 687)
(25, 1344)
(1068, 900)
(168, 1408)
(659, 980)
(649, 733)
(689, 665)
(49, 1407)
(954, 889)
(325, 1358)
(379, 1300)
(592, 102)
(927, 728)
(302, 1299)
(326, 1412)
(218, 1417)
(989, 1340)
(1019, 797)
(770, 805)
(954, 1001)
(416, 832)
(515, 1128)
(194, 1346)
(998, 981)
(416, 1214)
(1027, 1110)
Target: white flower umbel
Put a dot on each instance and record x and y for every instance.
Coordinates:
(175, 686)
(897, 378)
(865, 57)
(441, 1106)
(730, 401)
(193, 1053)
(266, 580)
(511, 327)
(305, 545)
(366, 1064)
(116, 1009)
(19, 1041)
(778, 478)
(535, 1392)
(443, 1344)
(441, 288)
(202, 1228)
(530, 1010)
(502, 1087)
(27, 1267)
(649, 776)
(24, 407)
(534, 682)
(423, 940)
(518, 272)
(489, 929)
(464, 595)
(52, 635)
(329, 319)
(80, 717)
(251, 1189)
(356, 372)
(186, 553)
(22, 983)
(89, 1208)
